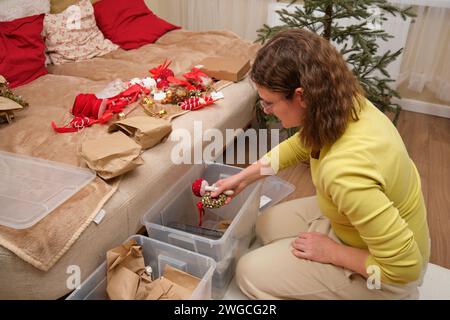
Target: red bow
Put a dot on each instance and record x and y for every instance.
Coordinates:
(161, 73)
(183, 83)
(195, 75)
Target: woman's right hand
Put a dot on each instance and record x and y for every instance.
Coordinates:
(236, 183)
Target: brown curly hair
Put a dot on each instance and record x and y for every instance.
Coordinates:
(300, 58)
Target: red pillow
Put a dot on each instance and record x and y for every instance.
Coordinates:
(22, 48)
(129, 23)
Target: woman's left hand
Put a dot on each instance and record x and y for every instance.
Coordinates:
(314, 246)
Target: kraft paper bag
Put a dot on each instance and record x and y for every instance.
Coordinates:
(125, 271)
(127, 279)
(173, 285)
(112, 155)
(146, 131)
(177, 276)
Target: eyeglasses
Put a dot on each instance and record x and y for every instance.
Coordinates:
(267, 107)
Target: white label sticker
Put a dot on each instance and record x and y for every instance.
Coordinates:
(217, 95)
(263, 201)
(99, 217)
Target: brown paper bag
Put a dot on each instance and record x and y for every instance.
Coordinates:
(146, 131)
(125, 271)
(112, 155)
(127, 280)
(186, 280)
(173, 285)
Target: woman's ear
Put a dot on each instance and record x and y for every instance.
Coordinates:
(299, 91)
(298, 94)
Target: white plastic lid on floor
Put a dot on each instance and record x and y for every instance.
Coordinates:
(30, 188)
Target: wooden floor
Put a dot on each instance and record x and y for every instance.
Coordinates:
(427, 139)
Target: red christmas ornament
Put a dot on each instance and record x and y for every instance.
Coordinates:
(196, 103)
(202, 189)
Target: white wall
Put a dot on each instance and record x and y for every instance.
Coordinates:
(243, 17)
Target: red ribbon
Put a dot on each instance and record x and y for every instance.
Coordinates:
(201, 213)
(87, 108)
(183, 83)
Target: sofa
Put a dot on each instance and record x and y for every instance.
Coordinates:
(24, 274)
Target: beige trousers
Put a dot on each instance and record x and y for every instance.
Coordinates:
(273, 272)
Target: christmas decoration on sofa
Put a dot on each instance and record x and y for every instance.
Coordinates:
(201, 188)
(9, 102)
(88, 109)
(163, 87)
(196, 103)
(189, 94)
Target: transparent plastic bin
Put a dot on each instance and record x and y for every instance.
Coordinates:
(30, 188)
(223, 274)
(179, 204)
(274, 189)
(156, 254)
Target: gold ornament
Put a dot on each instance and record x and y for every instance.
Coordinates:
(213, 203)
(121, 115)
(149, 108)
(148, 101)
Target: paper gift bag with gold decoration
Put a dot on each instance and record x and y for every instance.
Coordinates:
(146, 131)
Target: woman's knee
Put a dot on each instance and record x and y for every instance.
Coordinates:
(250, 277)
(279, 222)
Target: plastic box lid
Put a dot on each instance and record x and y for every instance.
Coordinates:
(273, 190)
(30, 188)
(156, 254)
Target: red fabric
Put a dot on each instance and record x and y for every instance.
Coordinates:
(22, 48)
(129, 23)
(86, 108)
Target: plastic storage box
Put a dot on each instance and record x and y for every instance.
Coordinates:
(156, 254)
(30, 188)
(179, 205)
(274, 189)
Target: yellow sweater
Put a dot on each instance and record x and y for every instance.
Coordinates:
(370, 190)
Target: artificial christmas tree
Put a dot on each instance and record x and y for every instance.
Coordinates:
(354, 26)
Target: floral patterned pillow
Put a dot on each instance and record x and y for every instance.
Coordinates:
(73, 35)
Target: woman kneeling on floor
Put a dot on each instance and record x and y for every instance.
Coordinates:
(365, 234)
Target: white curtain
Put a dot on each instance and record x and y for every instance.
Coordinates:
(243, 17)
(426, 60)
